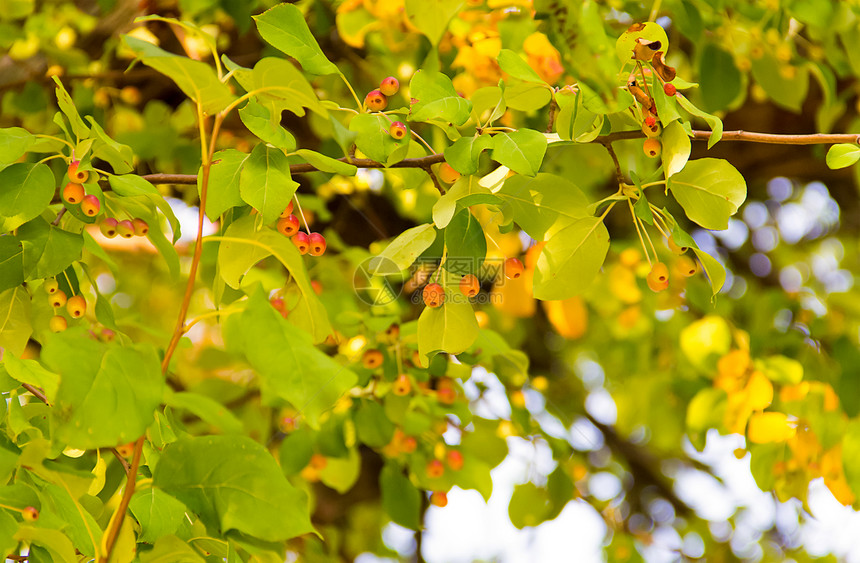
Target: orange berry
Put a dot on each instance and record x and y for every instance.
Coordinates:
(76, 306)
(126, 450)
(389, 86)
(318, 462)
(57, 323)
(433, 295)
(288, 226)
(376, 100)
(650, 121)
(455, 460)
(58, 298)
(674, 247)
(125, 228)
(669, 89)
(402, 385)
(651, 148)
(372, 359)
(76, 175)
(108, 227)
(446, 396)
(73, 193)
(658, 277)
(518, 399)
(30, 514)
(397, 130)
(447, 174)
(302, 243)
(409, 444)
(513, 268)
(140, 226)
(315, 285)
(687, 266)
(439, 498)
(469, 285)
(435, 469)
(317, 244)
(90, 206)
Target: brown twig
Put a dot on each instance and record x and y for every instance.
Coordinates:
(553, 110)
(122, 460)
(433, 177)
(60, 214)
(36, 392)
(116, 523)
(618, 175)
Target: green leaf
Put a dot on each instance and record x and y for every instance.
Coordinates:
(288, 364)
(372, 138)
(719, 79)
(107, 395)
(529, 505)
(710, 190)
(575, 123)
(158, 513)
(714, 122)
(431, 17)
(466, 244)
(206, 409)
(12, 259)
(643, 209)
(842, 155)
(436, 99)
(543, 205)
(197, 79)
(223, 191)
(372, 426)
(464, 153)
(514, 65)
(15, 328)
(522, 151)
(715, 271)
(284, 28)
(327, 164)
(14, 143)
(119, 156)
(704, 341)
(25, 191)
(32, 372)
(649, 31)
(78, 523)
(769, 72)
(451, 328)
(170, 549)
(67, 106)
(676, 148)
(527, 96)
(131, 185)
(246, 247)
(400, 499)
(341, 473)
(488, 104)
(403, 251)
(265, 182)
(850, 455)
(465, 192)
(279, 85)
(781, 369)
(48, 250)
(571, 259)
(233, 483)
(54, 541)
(706, 410)
(260, 121)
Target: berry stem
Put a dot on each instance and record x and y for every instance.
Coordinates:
(352, 91)
(639, 233)
(302, 215)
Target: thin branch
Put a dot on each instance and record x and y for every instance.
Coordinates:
(618, 175)
(121, 459)
(36, 392)
(553, 110)
(60, 214)
(433, 177)
(775, 139)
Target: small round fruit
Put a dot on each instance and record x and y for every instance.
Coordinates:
(435, 469)
(651, 147)
(409, 444)
(433, 295)
(658, 277)
(650, 121)
(439, 498)
(317, 244)
(108, 227)
(652, 130)
(389, 86)
(446, 396)
(518, 399)
(397, 130)
(447, 174)
(402, 385)
(141, 227)
(126, 450)
(91, 206)
(318, 462)
(687, 266)
(675, 248)
(73, 193)
(376, 100)
(301, 241)
(30, 514)
(392, 333)
(51, 286)
(469, 285)
(455, 460)
(669, 89)
(58, 298)
(372, 359)
(288, 226)
(125, 228)
(513, 268)
(76, 175)
(57, 323)
(76, 306)
(278, 304)
(287, 210)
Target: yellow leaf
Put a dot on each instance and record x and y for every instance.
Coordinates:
(759, 392)
(708, 336)
(769, 427)
(622, 284)
(569, 317)
(514, 297)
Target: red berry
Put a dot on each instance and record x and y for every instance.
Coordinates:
(73, 193)
(439, 498)
(75, 175)
(376, 100)
(469, 285)
(301, 241)
(669, 89)
(288, 210)
(434, 295)
(409, 445)
(455, 460)
(125, 228)
(30, 514)
(316, 286)
(317, 244)
(141, 227)
(288, 226)
(108, 227)
(513, 268)
(398, 130)
(389, 86)
(76, 306)
(446, 396)
(91, 205)
(278, 303)
(650, 121)
(435, 469)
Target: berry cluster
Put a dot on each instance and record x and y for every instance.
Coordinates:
(76, 305)
(288, 225)
(658, 277)
(377, 100)
(470, 286)
(127, 228)
(74, 193)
